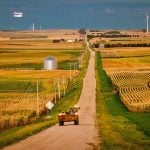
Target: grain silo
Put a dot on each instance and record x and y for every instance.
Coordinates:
(50, 63)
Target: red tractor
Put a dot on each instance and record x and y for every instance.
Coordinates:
(71, 115)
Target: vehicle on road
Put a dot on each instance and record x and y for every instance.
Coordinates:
(68, 116)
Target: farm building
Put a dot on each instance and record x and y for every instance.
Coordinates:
(50, 63)
(69, 41)
(101, 46)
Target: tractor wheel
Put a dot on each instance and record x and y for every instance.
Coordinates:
(148, 84)
(61, 123)
(76, 122)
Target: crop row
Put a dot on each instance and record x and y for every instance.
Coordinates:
(133, 89)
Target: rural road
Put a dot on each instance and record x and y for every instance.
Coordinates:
(70, 137)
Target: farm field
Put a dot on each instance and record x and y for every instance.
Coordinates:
(130, 40)
(39, 44)
(41, 39)
(41, 34)
(126, 59)
(129, 71)
(21, 66)
(34, 74)
(133, 89)
(35, 58)
(119, 127)
(18, 93)
(125, 52)
(18, 98)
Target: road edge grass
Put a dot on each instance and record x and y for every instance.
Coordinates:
(16, 134)
(116, 131)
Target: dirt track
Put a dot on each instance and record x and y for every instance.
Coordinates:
(69, 136)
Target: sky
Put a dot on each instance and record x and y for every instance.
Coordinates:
(92, 14)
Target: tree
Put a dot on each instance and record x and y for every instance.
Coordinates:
(144, 30)
(82, 31)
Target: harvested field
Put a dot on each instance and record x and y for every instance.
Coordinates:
(133, 89)
(125, 52)
(41, 39)
(129, 71)
(121, 59)
(39, 44)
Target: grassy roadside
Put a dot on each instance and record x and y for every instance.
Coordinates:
(119, 129)
(15, 134)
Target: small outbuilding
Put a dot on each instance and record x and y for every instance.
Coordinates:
(50, 63)
(101, 46)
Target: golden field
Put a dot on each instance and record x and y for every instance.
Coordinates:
(34, 74)
(18, 82)
(40, 39)
(129, 71)
(39, 44)
(9, 58)
(133, 89)
(126, 59)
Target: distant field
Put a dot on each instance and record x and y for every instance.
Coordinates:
(35, 58)
(125, 52)
(40, 39)
(126, 40)
(42, 34)
(126, 59)
(129, 40)
(39, 44)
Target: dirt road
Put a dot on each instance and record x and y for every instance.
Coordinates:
(69, 136)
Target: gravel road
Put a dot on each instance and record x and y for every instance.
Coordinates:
(70, 137)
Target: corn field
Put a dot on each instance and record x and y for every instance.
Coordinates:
(133, 89)
(19, 106)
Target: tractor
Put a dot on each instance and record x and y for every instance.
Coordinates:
(68, 116)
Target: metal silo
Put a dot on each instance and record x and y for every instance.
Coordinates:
(50, 63)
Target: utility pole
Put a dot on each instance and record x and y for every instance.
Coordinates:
(55, 94)
(58, 84)
(37, 100)
(63, 81)
(74, 68)
(70, 71)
